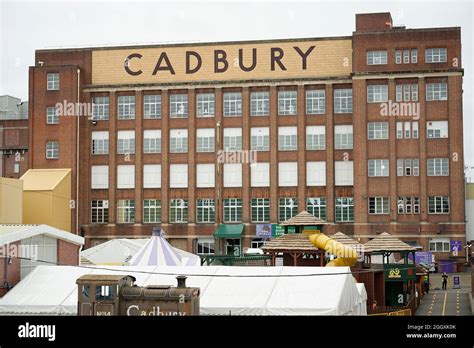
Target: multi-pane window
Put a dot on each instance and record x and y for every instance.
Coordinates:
(151, 210)
(126, 107)
(99, 177)
(407, 130)
(152, 106)
(126, 211)
(288, 207)
(52, 150)
(378, 167)
(52, 116)
(232, 104)
(438, 205)
(205, 210)
(178, 140)
(378, 205)
(400, 205)
(436, 91)
(377, 93)
(126, 142)
(406, 92)
(287, 102)
(315, 102)
(398, 57)
(287, 138)
(414, 129)
(440, 245)
(53, 81)
(260, 139)
(99, 211)
(343, 139)
(100, 143)
(232, 210)
(438, 166)
(125, 176)
(260, 210)
(315, 138)
(416, 205)
(407, 167)
(152, 141)
(100, 108)
(437, 129)
(414, 56)
(205, 140)
(317, 207)
(232, 139)
(205, 175)
(205, 104)
(344, 209)
(376, 57)
(259, 103)
(178, 105)
(407, 55)
(377, 130)
(436, 55)
(343, 101)
(178, 210)
(205, 246)
(408, 205)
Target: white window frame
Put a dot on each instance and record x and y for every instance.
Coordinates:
(288, 174)
(260, 103)
(100, 108)
(260, 138)
(179, 211)
(437, 91)
(260, 174)
(179, 140)
(205, 140)
(52, 115)
(152, 141)
(99, 177)
(152, 106)
(437, 167)
(100, 143)
(287, 103)
(436, 55)
(125, 142)
(377, 57)
(378, 168)
(52, 149)
(315, 102)
(126, 211)
(205, 104)
(379, 205)
(377, 93)
(232, 104)
(52, 81)
(178, 105)
(232, 139)
(152, 176)
(205, 175)
(343, 137)
(315, 138)
(178, 175)
(126, 107)
(377, 130)
(439, 203)
(126, 176)
(343, 101)
(287, 138)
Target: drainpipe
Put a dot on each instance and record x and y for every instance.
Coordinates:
(77, 154)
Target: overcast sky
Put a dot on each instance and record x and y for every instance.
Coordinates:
(29, 25)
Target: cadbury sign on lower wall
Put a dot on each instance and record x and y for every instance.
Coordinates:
(223, 62)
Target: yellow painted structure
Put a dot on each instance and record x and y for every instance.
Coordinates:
(11, 198)
(47, 197)
(346, 256)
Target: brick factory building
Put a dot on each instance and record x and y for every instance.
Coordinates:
(363, 131)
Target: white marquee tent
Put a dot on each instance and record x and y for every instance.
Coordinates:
(52, 290)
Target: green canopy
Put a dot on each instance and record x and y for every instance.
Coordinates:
(229, 231)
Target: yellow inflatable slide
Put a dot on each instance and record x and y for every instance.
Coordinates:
(345, 255)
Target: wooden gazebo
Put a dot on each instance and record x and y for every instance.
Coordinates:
(303, 219)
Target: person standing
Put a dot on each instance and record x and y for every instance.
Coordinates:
(445, 280)
(426, 281)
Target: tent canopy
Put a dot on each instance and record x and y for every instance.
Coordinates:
(229, 231)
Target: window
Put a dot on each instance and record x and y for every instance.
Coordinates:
(178, 140)
(436, 91)
(378, 167)
(287, 140)
(378, 205)
(344, 173)
(315, 138)
(232, 139)
(126, 176)
(259, 103)
(178, 175)
(151, 211)
(205, 246)
(343, 137)
(205, 176)
(260, 138)
(100, 108)
(408, 205)
(343, 101)
(178, 105)
(152, 106)
(16, 168)
(260, 210)
(152, 141)
(126, 211)
(436, 55)
(317, 207)
(53, 81)
(288, 207)
(344, 209)
(406, 92)
(257, 243)
(52, 116)
(398, 57)
(400, 167)
(232, 174)
(377, 93)
(205, 104)
(438, 166)
(152, 176)
(52, 150)
(407, 167)
(316, 173)
(287, 174)
(407, 127)
(126, 107)
(45, 250)
(400, 205)
(377, 130)
(100, 143)
(260, 174)
(315, 102)
(407, 55)
(233, 104)
(232, 210)
(415, 132)
(287, 103)
(205, 211)
(416, 205)
(99, 211)
(416, 167)
(99, 177)
(178, 210)
(376, 57)
(205, 140)
(438, 205)
(399, 130)
(407, 130)
(437, 129)
(414, 56)
(126, 142)
(440, 245)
